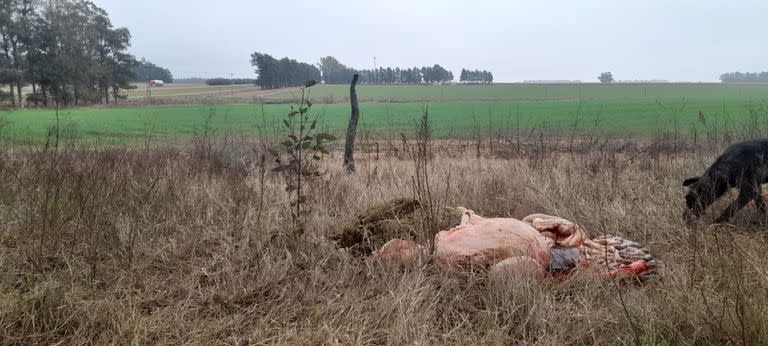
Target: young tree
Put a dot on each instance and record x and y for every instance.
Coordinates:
(299, 154)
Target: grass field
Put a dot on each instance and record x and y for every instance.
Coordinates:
(189, 90)
(449, 119)
(456, 111)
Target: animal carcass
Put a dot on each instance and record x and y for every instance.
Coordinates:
(483, 242)
(538, 244)
(399, 251)
(535, 246)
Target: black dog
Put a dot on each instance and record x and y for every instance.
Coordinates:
(744, 166)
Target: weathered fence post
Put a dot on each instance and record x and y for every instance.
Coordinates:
(349, 146)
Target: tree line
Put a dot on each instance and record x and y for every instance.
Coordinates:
(388, 75)
(414, 75)
(68, 51)
(475, 76)
(273, 73)
(145, 70)
(228, 81)
(189, 80)
(334, 72)
(745, 77)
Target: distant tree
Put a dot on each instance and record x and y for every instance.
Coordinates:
(267, 69)
(285, 72)
(243, 81)
(145, 70)
(17, 18)
(487, 77)
(114, 67)
(605, 77)
(416, 76)
(218, 81)
(227, 81)
(67, 50)
(475, 76)
(426, 74)
(436, 74)
(389, 75)
(335, 72)
(746, 77)
(273, 73)
(189, 80)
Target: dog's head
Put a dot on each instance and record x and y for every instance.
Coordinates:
(702, 192)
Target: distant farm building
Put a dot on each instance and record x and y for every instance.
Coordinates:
(156, 83)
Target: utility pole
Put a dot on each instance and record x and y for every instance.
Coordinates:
(149, 91)
(375, 73)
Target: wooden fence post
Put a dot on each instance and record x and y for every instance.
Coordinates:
(349, 146)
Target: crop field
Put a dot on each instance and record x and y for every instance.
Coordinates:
(507, 92)
(239, 94)
(184, 89)
(456, 112)
(188, 92)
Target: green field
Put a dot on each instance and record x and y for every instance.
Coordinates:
(614, 109)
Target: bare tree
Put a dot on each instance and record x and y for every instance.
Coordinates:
(349, 146)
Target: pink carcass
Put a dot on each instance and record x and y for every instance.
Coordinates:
(751, 203)
(399, 251)
(506, 245)
(503, 244)
(535, 246)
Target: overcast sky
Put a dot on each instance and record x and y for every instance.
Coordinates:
(689, 40)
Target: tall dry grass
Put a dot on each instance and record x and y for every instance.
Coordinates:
(162, 245)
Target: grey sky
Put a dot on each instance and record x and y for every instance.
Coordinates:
(516, 40)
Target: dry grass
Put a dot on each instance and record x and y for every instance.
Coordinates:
(189, 246)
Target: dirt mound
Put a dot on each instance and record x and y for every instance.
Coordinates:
(399, 218)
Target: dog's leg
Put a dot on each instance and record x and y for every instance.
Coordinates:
(746, 194)
(760, 201)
